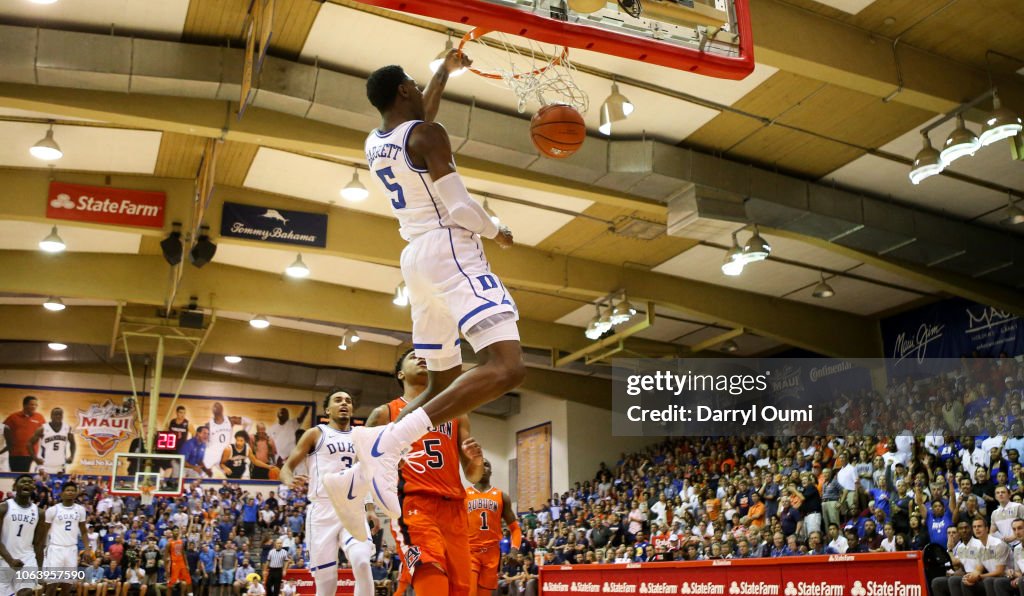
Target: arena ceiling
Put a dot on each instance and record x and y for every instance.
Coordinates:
(812, 112)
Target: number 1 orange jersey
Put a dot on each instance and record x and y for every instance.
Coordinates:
(484, 510)
(436, 470)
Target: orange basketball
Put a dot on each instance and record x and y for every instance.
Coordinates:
(275, 473)
(557, 130)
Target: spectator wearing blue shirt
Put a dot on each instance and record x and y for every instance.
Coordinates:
(816, 547)
(881, 497)
(93, 576)
(194, 451)
(940, 518)
(250, 512)
(207, 569)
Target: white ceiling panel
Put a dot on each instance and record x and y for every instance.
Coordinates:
(84, 147)
(155, 18)
(872, 272)
(360, 49)
(704, 263)
(855, 296)
(529, 225)
(325, 268)
(320, 328)
(23, 235)
(802, 252)
(850, 6)
(534, 196)
(580, 317)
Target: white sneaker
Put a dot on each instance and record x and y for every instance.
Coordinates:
(347, 492)
(379, 453)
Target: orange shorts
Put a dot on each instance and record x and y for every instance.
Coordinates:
(179, 573)
(485, 565)
(433, 530)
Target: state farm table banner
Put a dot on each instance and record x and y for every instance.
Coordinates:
(305, 586)
(104, 204)
(274, 225)
(873, 574)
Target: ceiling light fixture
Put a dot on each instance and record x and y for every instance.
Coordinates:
(354, 190)
(171, 245)
(297, 269)
(353, 337)
(1002, 124)
(232, 359)
(43, 1)
(401, 295)
(598, 325)
(733, 264)
(928, 162)
(46, 148)
(56, 346)
(438, 60)
(960, 142)
(623, 311)
(259, 322)
(756, 249)
(614, 109)
(53, 242)
(204, 249)
(344, 343)
(54, 304)
(823, 290)
(1014, 214)
(729, 347)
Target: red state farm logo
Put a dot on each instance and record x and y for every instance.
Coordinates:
(80, 202)
(105, 425)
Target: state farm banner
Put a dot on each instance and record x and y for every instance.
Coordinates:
(274, 225)
(304, 584)
(104, 204)
(871, 574)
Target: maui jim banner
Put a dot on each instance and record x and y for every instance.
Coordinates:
(882, 574)
(103, 204)
(274, 225)
(950, 329)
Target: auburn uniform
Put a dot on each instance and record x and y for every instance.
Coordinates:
(484, 511)
(432, 528)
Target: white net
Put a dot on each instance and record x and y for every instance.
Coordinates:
(535, 72)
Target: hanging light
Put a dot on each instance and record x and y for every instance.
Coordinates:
(259, 322)
(960, 142)
(729, 347)
(353, 337)
(344, 344)
(1014, 214)
(756, 249)
(823, 290)
(43, 1)
(438, 60)
(494, 216)
(401, 295)
(598, 325)
(623, 311)
(733, 264)
(354, 190)
(928, 162)
(614, 109)
(56, 346)
(46, 148)
(297, 269)
(53, 242)
(54, 304)
(232, 359)
(1002, 124)
(606, 318)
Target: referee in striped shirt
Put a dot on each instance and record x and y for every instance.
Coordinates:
(275, 567)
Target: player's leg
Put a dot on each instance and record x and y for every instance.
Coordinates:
(404, 581)
(452, 518)
(421, 542)
(359, 553)
(429, 579)
(322, 531)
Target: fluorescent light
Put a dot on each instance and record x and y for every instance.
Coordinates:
(823, 290)
(343, 346)
(733, 264)
(298, 268)
(928, 162)
(959, 143)
(56, 346)
(354, 190)
(232, 359)
(354, 337)
(53, 242)
(614, 109)
(54, 304)
(259, 322)
(401, 295)
(1014, 214)
(756, 249)
(729, 347)
(599, 325)
(46, 148)
(623, 311)
(43, 1)
(1002, 124)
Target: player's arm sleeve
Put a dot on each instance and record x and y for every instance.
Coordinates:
(517, 534)
(462, 208)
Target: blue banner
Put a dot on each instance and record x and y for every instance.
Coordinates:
(949, 329)
(274, 225)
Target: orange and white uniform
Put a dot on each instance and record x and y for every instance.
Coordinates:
(484, 511)
(432, 528)
(179, 567)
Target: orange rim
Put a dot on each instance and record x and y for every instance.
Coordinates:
(480, 32)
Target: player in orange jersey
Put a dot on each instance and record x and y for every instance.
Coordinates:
(431, 532)
(177, 567)
(486, 508)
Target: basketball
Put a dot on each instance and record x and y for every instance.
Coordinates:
(557, 130)
(274, 473)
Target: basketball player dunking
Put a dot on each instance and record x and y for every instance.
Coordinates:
(327, 450)
(486, 508)
(432, 534)
(56, 444)
(19, 548)
(451, 287)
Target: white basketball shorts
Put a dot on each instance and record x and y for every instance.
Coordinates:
(451, 288)
(64, 557)
(325, 535)
(9, 581)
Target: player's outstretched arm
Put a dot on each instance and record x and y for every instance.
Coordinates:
(380, 416)
(453, 61)
(306, 443)
(470, 452)
(508, 515)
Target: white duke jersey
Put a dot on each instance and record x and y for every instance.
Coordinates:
(221, 435)
(53, 447)
(334, 453)
(19, 530)
(410, 189)
(64, 529)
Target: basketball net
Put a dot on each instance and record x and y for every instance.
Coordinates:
(532, 70)
(145, 494)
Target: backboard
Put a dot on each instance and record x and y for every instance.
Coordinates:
(132, 471)
(707, 37)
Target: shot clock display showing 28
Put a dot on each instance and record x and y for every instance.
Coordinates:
(166, 441)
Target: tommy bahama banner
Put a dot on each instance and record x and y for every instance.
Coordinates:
(78, 431)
